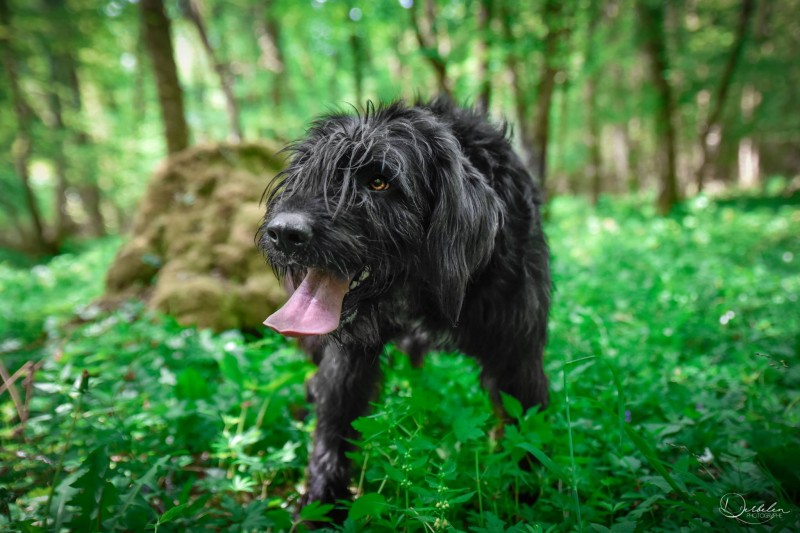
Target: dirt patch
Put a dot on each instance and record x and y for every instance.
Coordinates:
(192, 253)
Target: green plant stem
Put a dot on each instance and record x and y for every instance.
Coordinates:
(262, 412)
(572, 457)
(242, 418)
(363, 473)
(478, 481)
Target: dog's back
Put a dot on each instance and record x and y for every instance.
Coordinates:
(510, 297)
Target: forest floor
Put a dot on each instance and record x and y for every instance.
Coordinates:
(673, 365)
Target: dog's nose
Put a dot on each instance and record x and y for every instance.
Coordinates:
(290, 231)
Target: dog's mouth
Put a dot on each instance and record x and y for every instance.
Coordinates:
(315, 306)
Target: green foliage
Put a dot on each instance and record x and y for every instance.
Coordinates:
(676, 340)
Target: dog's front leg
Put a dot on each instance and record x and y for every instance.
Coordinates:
(342, 388)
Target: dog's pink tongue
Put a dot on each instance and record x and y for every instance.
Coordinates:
(313, 309)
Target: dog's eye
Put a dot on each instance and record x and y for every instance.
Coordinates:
(378, 184)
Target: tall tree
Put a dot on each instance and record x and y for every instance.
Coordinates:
(711, 127)
(622, 157)
(268, 37)
(595, 169)
(358, 52)
(428, 39)
(192, 11)
(748, 157)
(519, 94)
(157, 36)
(484, 45)
(652, 28)
(64, 225)
(555, 19)
(21, 149)
(65, 98)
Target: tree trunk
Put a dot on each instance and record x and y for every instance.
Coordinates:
(593, 140)
(65, 97)
(170, 95)
(710, 135)
(634, 136)
(21, 149)
(484, 44)
(624, 141)
(357, 49)
(592, 118)
(64, 225)
(191, 11)
(621, 158)
(749, 164)
(268, 37)
(651, 18)
(560, 138)
(91, 198)
(557, 33)
(425, 31)
(520, 95)
(748, 154)
(139, 95)
(11, 211)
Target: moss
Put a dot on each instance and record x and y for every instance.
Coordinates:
(196, 300)
(192, 253)
(258, 298)
(231, 260)
(136, 265)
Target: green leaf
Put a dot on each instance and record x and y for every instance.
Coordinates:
(546, 461)
(468, 425)
(463, 498)
(173, 513)
(371, 504)
(511, 405)
(26, 526)
(316, 512)
(191, 385)
(279, 519)
(255, 516)
(370, 426)
(493, 524)
(94, 495)
(229, 366)
(654, 461)
(145, 479)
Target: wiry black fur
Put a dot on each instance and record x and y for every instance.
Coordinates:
(455, 251)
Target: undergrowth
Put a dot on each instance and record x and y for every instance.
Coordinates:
(673, 376)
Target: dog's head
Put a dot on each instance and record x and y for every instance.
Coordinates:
(369, 201)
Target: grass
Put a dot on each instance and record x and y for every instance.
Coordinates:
(674, 381)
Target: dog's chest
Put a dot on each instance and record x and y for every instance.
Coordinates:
(406, 314)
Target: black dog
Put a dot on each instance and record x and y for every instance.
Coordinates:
(406, 220)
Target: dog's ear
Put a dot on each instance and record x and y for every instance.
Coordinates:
(464, 221)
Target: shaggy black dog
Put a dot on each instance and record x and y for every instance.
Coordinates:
(406, 221)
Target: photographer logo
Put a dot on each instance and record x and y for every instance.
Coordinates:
(733, 505)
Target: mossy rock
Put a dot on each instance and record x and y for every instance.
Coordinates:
(192, 253)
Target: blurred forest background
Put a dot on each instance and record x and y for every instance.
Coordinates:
(667, 134)
(607, 96)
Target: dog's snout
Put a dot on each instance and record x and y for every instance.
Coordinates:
(290, 231)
